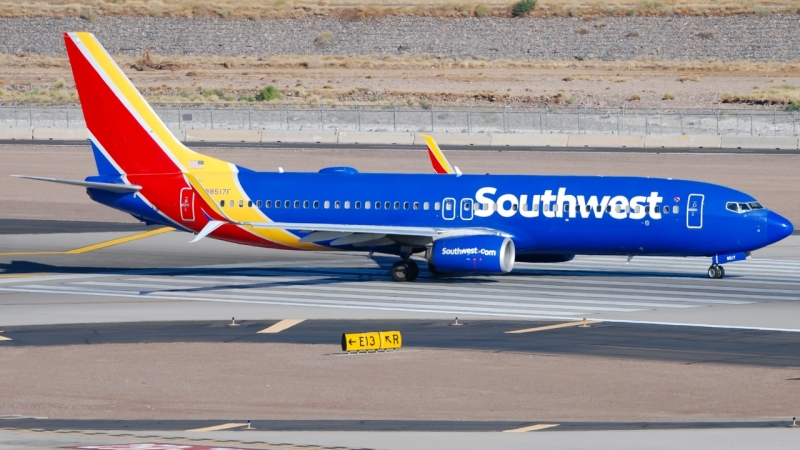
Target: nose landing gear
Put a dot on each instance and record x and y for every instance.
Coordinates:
(716, 271)
(405, 270)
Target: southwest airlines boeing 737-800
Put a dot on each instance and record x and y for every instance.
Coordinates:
(462, 224)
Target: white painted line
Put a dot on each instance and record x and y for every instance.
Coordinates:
(3, 338)
(280, 326)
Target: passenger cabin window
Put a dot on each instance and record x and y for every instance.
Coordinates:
(305, 204)
(337, 204)
(347, 204)
(287, 204)
(297, 203)
(367, 204)
(426, 205)
(436, 206)
(358, 204)
(406, 205)
(241, 203)
(387, 205)
(277, 203)
(396, 205)
(249, 203)
(222, 203)
(676, 209)
(327, 204)
(316, 204)
(666, 210)
(230, 203)
(416, 205)
(377, 205)
(268, 204)
(258, 203)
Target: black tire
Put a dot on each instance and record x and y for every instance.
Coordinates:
(413, 270)
(720, 272)
(400, 271)
(712, 272)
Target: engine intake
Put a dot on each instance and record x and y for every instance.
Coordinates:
(477, 254)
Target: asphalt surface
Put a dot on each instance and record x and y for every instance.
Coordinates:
(288, 145)
(368, 425)
(616, 340)
(27, 226)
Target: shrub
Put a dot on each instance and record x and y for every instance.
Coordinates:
(482, 10)
(324, 39)
(567, 78)
(89, 15)
(583, 30)
(668, 97)
(268, 93)
(523, 8)
(794, 106)
(704, 35)
(634, 98)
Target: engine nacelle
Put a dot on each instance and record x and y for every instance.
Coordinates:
(477, 254)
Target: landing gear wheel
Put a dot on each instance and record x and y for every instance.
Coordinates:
(413, 270)
(401, 271)
(716, 271)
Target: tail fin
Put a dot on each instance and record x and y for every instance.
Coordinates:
(123, 127)
(438, 161)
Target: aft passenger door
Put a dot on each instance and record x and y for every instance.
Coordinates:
(466, 209)
(187, 204)
(694, 211)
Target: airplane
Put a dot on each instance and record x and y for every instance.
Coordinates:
(462, 224)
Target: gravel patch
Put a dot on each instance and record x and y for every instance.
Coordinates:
(755, 38)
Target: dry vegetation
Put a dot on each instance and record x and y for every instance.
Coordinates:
(782, 94)
(362, 9)
(440, 81)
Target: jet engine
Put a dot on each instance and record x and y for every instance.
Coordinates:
(476, 254)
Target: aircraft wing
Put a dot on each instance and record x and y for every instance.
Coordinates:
(358, 235)
(110, 187)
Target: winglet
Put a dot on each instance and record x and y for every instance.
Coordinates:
(439, 162)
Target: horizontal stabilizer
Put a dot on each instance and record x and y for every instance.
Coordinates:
(110, 187)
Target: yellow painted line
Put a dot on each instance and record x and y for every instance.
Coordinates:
(98, 246)
(22, 275)
(553, 327)
(280, 326)
(541, 426)
(224, 426)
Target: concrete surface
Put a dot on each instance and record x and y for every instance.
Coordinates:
(678, 141)
(223, 135)
(759, 142)
(605, 141)
(366, 137)
(65, 134)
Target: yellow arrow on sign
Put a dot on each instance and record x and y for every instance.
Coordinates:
(376, 340)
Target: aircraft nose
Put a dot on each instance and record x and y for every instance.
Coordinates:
(778, 227)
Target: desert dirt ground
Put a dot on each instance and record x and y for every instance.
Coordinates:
(772, 179)
(290, 381)
(365, 80)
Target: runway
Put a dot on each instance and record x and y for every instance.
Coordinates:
(388, 147)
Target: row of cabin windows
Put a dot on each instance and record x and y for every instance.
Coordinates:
(337, 204)
(556, 207)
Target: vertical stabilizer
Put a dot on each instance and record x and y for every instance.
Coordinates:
(122, 125)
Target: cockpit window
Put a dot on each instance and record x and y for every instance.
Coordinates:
(742, 207)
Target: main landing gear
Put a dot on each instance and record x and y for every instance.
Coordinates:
(716, 271)
(405, 270)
